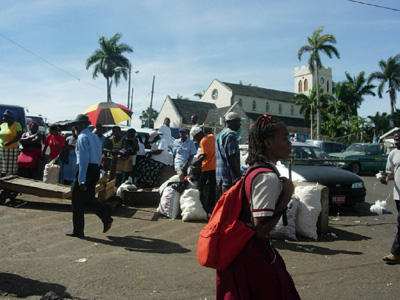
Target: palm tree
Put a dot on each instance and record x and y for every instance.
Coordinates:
(199, 94)
(358, 88)
(309, 105)
(180, 97)
(344, 98)
(390, 74)
(107, 58)
(148, 117)
(317, 44)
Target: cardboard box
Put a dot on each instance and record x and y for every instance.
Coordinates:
(124, 164)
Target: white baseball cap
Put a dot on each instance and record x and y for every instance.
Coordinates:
(233, 116)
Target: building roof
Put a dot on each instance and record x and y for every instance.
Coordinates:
(187, 108)
(290, 122)
(257, 92)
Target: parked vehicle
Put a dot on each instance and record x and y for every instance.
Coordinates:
(19, 114)
(367, 152)
(344, 187)
(327, 146)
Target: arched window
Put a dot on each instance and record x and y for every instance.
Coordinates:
(292, 110)
(267, 107)
(280, 108)
(327, 86)
(240, 102)
(305, 85)
(254, 106)
(300, 87)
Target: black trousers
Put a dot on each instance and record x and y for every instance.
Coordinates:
(208, 201)
(86, 199)
(396, 243)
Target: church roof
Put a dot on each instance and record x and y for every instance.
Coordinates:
(187, 108)
(257, 92)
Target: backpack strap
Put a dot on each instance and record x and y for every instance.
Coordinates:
(247, 182)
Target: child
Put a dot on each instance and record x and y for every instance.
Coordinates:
(259, 272)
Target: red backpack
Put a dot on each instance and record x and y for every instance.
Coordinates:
(225, 236)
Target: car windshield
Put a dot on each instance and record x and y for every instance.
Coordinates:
(357, 148)
(308, 155)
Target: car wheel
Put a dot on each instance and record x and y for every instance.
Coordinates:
(355, 168)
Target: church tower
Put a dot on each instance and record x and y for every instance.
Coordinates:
(304, 80)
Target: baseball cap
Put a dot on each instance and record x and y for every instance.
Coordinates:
(195, 130)
(233, 116)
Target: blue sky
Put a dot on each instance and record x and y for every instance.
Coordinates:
(184, 44)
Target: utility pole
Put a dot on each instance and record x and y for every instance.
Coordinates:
(129, 90)
(151, 102)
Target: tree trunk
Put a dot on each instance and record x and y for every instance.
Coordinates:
(318, 104)
(312, 124)
(108, 90)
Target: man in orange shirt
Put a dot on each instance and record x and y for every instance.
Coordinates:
(206, 161)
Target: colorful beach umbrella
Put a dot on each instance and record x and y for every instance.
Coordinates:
(108, 113)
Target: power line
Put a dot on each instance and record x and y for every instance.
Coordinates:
(37, 56)
(374, 5)
(50, 63)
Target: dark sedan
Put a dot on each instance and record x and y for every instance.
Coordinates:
(344, 187)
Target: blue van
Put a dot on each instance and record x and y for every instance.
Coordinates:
(19, 114)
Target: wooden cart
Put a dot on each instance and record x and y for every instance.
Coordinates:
(12, 185)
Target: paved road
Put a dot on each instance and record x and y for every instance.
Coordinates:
(146, 257)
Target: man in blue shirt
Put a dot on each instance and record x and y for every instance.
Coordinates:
(88, 158)
(227, 153)
(183, 150)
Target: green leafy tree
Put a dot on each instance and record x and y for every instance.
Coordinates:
(199, 94)
(308, 105)
(180, 97)
(333, 125)
(390, 75)
(342, 105)
(358, 87)
(148, 117)
(107, 58)
(316, 45)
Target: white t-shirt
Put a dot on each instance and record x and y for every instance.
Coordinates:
(393, 167)
(142, 149)
(266, 188)
(163, 156)
(164, 129)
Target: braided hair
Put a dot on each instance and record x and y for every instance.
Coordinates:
(263, 128)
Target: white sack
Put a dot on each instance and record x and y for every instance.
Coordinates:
(51, 172)
(162, 187)
(191, 206)
(308, 211)
(287, 232)
(169, 203)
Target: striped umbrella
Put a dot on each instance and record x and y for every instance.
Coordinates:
(107, 113)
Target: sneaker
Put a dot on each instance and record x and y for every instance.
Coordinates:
(392, 259)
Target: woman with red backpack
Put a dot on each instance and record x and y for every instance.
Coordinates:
(259, 272)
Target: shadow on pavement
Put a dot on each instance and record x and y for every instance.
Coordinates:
(123, 211)
(304, 245)
(359, 210)
(315, 249)
(141, 244)
(23, 287)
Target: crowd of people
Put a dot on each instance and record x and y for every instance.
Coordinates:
(259, 271)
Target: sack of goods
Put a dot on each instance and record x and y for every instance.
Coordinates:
(51, 172)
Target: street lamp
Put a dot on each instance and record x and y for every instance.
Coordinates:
(119, 69)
